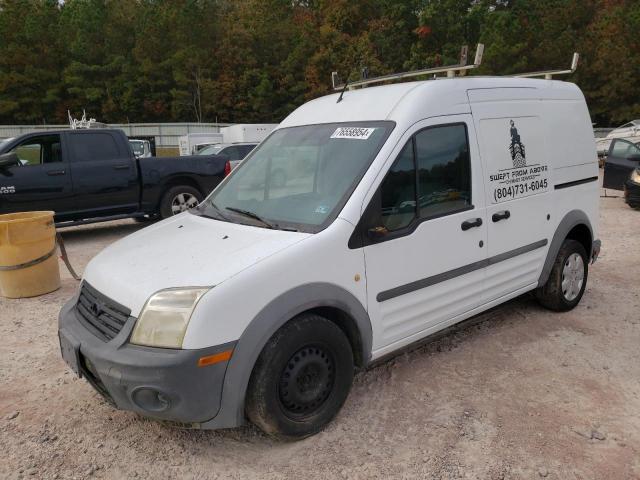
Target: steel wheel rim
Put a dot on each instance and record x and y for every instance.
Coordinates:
(572, 276)
(306, 381)
(183, 202)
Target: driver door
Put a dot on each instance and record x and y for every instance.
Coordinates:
(425, 234)
(41, 181)
(623, 158)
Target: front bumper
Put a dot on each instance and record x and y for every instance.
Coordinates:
(162, 383)
(632, 194)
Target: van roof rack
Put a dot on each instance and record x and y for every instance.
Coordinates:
(548, 74)
(451, 71)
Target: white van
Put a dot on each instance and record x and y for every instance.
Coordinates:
(414, 206)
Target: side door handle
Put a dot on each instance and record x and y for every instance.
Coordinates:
(53, 173)
(121, 166)
(466, 225)
(502, 215)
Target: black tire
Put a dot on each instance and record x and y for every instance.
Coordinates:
(167, 202)
(301, 378)
(551, 294)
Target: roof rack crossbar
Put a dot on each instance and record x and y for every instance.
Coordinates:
(548, 74)
(451, 71)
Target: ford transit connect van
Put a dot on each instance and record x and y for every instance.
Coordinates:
(414, 206)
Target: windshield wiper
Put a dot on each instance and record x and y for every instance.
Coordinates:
(249, 214)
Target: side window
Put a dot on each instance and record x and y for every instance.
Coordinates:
(246, 150)
(624, 149)
(444, 170)
(430, 178)
(398, 192)
(94, 146)
(39, 150)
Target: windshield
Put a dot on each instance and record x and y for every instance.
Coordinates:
(210, 150)
(299, 177)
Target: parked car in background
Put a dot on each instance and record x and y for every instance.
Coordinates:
(235, 152)
(93, 175)
(621, 170)
(629, 131)
(141, 148)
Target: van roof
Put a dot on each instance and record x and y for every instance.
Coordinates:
(407, 102)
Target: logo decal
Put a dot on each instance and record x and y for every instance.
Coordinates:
(95, 309)
(514, 173)
(517, 148)
(9, 189)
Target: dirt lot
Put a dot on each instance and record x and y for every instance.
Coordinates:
(515, 393)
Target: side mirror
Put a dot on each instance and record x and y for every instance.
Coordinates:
(9, 159)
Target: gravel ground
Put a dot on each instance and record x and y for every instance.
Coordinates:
(517, 392)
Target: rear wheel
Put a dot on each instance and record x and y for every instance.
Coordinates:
(179, 199)
(567, 280)
(301, 379)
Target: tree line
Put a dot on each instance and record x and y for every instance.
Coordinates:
(257, 60)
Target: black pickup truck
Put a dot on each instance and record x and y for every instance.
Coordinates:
(92, 175)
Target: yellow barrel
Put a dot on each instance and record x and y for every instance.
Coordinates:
(28, 260)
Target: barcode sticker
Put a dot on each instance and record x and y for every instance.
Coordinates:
(355, 133)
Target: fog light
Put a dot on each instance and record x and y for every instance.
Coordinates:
(150, 399)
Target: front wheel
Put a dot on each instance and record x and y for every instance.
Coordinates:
(301, 379)
(567, 280)
(179, 199)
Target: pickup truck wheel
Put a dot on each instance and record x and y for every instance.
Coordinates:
(301, 378)
(567, 280)
(179, 199)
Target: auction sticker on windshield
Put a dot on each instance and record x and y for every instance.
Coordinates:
(516, 165)
(357, 133)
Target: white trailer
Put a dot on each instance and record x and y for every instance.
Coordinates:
(187, 143)
(247, 132)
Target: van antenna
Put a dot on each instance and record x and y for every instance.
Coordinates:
(451, 70)
(548, 74)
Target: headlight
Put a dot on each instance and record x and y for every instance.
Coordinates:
(164, 318)
(635, 176)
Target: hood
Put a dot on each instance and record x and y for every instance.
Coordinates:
(183, 251)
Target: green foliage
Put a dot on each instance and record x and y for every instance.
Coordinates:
(257, 60)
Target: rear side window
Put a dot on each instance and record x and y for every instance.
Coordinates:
(94, 146)
(430, 178)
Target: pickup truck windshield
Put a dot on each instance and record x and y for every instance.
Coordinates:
(300, 177)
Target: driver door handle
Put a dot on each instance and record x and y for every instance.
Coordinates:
(121, 166)
(55, 172)
(475, 222)
(502, 215)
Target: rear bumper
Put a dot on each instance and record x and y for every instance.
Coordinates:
(166, 384)
(632, 194)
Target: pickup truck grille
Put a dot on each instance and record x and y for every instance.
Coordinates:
(99, 314)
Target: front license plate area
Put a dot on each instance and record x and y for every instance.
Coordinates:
(70, 349)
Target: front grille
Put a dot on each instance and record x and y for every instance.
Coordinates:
(99, 314)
